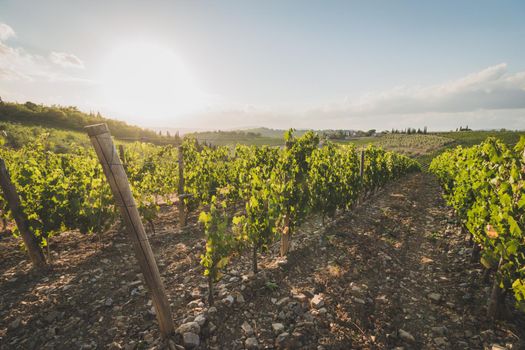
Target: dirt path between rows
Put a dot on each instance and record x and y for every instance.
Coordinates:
(395, 272)
(392, 273)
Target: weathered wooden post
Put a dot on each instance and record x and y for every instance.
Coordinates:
(182, 206)
(496, 304)
(118, 181)
(122, 155)
(33, 248)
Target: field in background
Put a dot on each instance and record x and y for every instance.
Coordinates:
(231, 138)
(413, 145)
(470, 138)
(59, 140)
(425, 147)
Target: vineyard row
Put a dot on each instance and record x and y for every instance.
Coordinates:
(485, 184)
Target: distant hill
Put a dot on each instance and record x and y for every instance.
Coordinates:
(273, 133)
(329, 133)
(70, 118)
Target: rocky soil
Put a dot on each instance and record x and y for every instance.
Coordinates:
(394, 273)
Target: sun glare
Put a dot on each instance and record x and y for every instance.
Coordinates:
(149, 80)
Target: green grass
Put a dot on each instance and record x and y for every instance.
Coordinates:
(72, 119)
(16, 135)
(413, 145)
(359, 141)
(230, 138)
(470, 138)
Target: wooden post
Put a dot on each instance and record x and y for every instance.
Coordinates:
(118, 181)
(122, 154)
(286, 236)
(33, 248)
(182, 206)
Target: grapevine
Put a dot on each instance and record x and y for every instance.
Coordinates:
(485, 184)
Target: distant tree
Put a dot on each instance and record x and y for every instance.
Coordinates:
(30, 105)
(425, 130)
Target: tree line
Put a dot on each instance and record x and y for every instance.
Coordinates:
(71, 118)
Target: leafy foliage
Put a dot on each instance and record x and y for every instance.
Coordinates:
(250, 195)
(153, 175)
(486, 186)
(59, 191)
(280, 187)
(220, 243)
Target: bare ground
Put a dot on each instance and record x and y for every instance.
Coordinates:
(394, 272)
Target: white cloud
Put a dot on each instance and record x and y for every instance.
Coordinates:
(16, 64)
(6, 32)
(65, 59)
(490, 88)
(490, 98)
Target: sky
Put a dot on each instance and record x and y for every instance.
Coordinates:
(276, 63)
